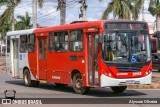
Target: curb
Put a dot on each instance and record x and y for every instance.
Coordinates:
(154, 85)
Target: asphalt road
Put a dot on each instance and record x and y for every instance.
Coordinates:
(49, 90)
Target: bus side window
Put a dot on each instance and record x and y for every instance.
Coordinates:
(23, 44)
(61, 41)
(31, 43)
(8, 44)
(76, 40)
(51, 42)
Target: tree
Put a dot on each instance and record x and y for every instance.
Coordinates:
(124, 9)
(120, 9)
(62, 8)
(136, 8)
(5, 28)
(8, 14)
(24, 22)
(154, 9)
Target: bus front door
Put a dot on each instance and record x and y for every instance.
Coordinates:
(93, 59)
(42, 58)
(15, 57)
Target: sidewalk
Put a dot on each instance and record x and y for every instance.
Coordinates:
(154, 85)
(2, 63)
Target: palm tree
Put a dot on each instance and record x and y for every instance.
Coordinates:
(62, 7)
(120, 9)
(136, 8)
(154, 9)
(5, 28)
(8, 14)
(124, 9)
(24, 23)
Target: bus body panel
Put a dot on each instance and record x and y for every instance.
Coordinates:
(22, 57)
(107, 81)
(58, 66)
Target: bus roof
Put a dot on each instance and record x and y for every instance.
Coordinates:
(70, 26)
(20, 32)
(77, 25)
(80, 25)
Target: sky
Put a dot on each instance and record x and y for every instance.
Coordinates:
(49, 16)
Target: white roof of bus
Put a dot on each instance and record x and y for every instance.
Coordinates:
(20, 32)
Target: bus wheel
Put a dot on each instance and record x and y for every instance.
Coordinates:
(77, 84)
(118, 89)
(59, 84)
(27, 79)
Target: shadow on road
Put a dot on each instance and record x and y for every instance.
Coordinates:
(96, 92)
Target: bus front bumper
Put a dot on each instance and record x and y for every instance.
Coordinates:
(106, 81)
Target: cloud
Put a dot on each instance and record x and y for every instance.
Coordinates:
(48, 15)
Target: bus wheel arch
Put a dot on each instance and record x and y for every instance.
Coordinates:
(78, 83)
(27, 78)
(74, 72)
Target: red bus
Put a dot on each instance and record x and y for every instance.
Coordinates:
(111, 53)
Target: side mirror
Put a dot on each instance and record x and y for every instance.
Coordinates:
(100, 39)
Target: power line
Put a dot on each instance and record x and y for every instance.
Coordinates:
(68, 6)
(54, 11)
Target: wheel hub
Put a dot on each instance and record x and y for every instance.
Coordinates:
(78, 84)
(26, 79)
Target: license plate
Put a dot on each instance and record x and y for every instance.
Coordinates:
(130, 81)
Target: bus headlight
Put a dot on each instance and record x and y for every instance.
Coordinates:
(105, 73)
(109, 74)
(146, 73)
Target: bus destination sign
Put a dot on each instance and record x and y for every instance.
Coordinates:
(131, 26)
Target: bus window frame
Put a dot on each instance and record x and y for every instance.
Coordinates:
(23, 43)
(76, 41)
(57, 42)
(28, 42)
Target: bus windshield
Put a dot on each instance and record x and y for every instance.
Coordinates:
(125, 47)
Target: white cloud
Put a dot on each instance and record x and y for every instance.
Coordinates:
(47, 15)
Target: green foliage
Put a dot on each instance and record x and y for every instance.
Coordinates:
(8, 15)
(123, 9)
(154, 7)
(24, 22)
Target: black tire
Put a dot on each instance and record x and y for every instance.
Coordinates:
(118, 89)
(78, 86)
(59, 84)
(36, 83)
(27, 79)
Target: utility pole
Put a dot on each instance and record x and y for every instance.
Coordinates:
(143, 12)
(62, 8)
(83, 9)
(34, 13)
